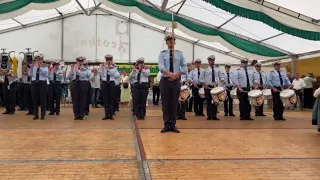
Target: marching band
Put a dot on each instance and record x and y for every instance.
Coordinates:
(178, 84)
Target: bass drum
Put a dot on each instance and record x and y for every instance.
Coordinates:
(202, 93)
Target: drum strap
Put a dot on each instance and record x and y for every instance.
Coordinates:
(261, 81)
(228, 78)
(248, 83)
(213, 76)
(281, 81)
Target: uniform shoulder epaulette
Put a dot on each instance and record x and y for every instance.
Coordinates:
(238, 69)
(163, 51)
(179, 51)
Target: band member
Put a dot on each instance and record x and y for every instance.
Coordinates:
(260, 80)
(172, 65)
(9, 92)
(27, 91)
(298, 85)
(87, 81)
(278, 81)
(243, 80)
(48, 64)
(79, 88)
(107, 72)
(39, 88)
(194, 77)
(211, 78)
(140, 76)
(181, 110)
(189, 104)
(156, 89)
(54, 89)
(95, 87)
(21, 95)
(228, 78)
(117, 92)
(132, 89)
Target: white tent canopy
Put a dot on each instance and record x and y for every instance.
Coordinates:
(22, 31)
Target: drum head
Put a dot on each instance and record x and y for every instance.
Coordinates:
(217, 90)
(255, 93)
(201, 91)
(287, 93)
(267, 92)
(185, 87)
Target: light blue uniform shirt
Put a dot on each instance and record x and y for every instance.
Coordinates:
(117, 78)
(103, 73)
(42, 73)
(206, 78)
(256, 78)
(144, 77)
(193, 75)
(179, 62)
(240, 78)
(87, 78)
(225, 77)
(84, 74)
(59, 75)
(274, 79)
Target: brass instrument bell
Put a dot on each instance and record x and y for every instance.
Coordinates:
(5, 62)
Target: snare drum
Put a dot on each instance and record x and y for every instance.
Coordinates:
(202, 93)
(219, 95)
(256, 97)
(233, 93)
(185, 93)
(288, 97)
(267, 93)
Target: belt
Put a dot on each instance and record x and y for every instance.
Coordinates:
(141, 83)
(40, 81)
(55, 81)
(210, 86)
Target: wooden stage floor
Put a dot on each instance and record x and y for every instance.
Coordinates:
(60, 148)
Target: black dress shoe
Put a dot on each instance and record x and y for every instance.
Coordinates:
(76, 118)
(263, 115)
(51, 113)
(29, 113)
(319, 130)
(184, 118)
(86, 113)
(165, 129)
(174, 129)
(6, 112)
(105, 118)
(42, 118)
(57, 113)
(225, 114)
(12, 112)
(215, 118)
(111, 118)
(35, 117)
(314, 122)
(81, 118)
(232, 115)
(208, 118)
(117, 110)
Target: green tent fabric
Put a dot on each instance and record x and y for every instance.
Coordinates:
(242, 44)
(18, 4)
(260, 16)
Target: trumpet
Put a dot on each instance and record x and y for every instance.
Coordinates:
(28, 58)
(6, 62)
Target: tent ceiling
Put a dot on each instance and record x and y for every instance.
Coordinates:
(203, 12)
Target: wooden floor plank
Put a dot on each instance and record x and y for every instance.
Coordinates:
(237, 170)
(70, 171)
(66, 144)
(232, 143)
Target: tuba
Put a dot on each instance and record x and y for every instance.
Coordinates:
(6, 62)
(28, 58)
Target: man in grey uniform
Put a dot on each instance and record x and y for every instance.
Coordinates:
(228, 78)
(140, 77)
(278, 81)
(172, 65)
(54, 89)
(210, 79)
(27, 92)
(260, 81)
(87, 81)
(108, 72)
(117, 92)
(243, 80)
(9, 92)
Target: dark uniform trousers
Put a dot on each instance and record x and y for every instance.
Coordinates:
(277, 104)
(228, 104)
(211, 107)
(87, 109)
(21, 96)
(117, 98)
(259, 109)
(9, 96)
(170, 91)
(198, 101)
(244, 104)
(28, 97)
(140, 95)
(79, 90)
(189, 104)
(54, 93)
(108, 96)
(308, 98)
(181, 109)
(156, 94)
(133, 98)
(39, 97)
